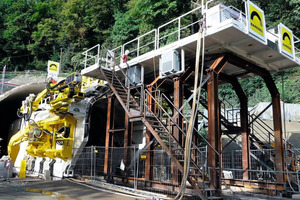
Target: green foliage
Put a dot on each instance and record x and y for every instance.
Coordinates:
(34, 31)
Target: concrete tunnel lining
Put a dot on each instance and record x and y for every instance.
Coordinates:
(9, 104)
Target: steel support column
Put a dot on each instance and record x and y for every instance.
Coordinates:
(244, 123)
(279, 146)
(214, 126)
(149, 154)
(214, 130)
(178, 100)
(108, 135)
(266, 76)
(127, 140)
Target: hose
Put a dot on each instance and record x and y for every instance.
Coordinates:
(27, 116)
(189, 134)
(48, 86)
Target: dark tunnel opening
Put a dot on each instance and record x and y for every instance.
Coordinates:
(97, 132)
(10, 102)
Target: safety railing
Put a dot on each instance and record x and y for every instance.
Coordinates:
(124, 78)
(262, 130)
(149, 97)
(229, 112)
(297, 46)
(179, 28)
(194, 148)
(229, 12)
(141, 45)
(91, 56)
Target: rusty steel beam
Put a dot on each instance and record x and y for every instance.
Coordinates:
(149, 155)
(219, 64)
(244, 122)
(255, 184)
(214, 120)
(214, 124)
(279, 146)
(127, 140)
(214, 130)
(178, 100)
(107, 138)
(266, 76)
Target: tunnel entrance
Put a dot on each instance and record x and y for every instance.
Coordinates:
(10, 102)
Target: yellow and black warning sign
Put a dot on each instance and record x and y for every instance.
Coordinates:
(53, 70)
(53, 66)
(256, 22)
(286, 40)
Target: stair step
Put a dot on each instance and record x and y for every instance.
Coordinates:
(214, 197)
(152, 121)
(133, 106)
(163, 137)
(201, 182)
(156, 126)
(176, 149)
(162, 132)
(118, 86)
(208, 189)
(197, 175)
(119, 89)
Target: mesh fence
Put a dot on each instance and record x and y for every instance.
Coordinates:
(159, 173)
(131, 163)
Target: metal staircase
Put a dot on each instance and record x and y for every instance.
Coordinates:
(132, 100)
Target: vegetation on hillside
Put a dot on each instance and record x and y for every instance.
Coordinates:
(34, 31)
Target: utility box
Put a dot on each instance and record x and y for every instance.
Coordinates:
(169, 63)
(133, 76)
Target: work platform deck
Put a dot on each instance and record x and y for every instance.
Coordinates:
(230, 35)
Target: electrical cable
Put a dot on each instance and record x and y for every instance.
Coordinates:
(27, 116)
(48, 86)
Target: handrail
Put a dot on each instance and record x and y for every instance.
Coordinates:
(149, 110)
(129, 96)
(191, 97)
(178, 28)
(179, 128)
(138, 42)
(186, 120)
(270, 131)
(96, 57)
